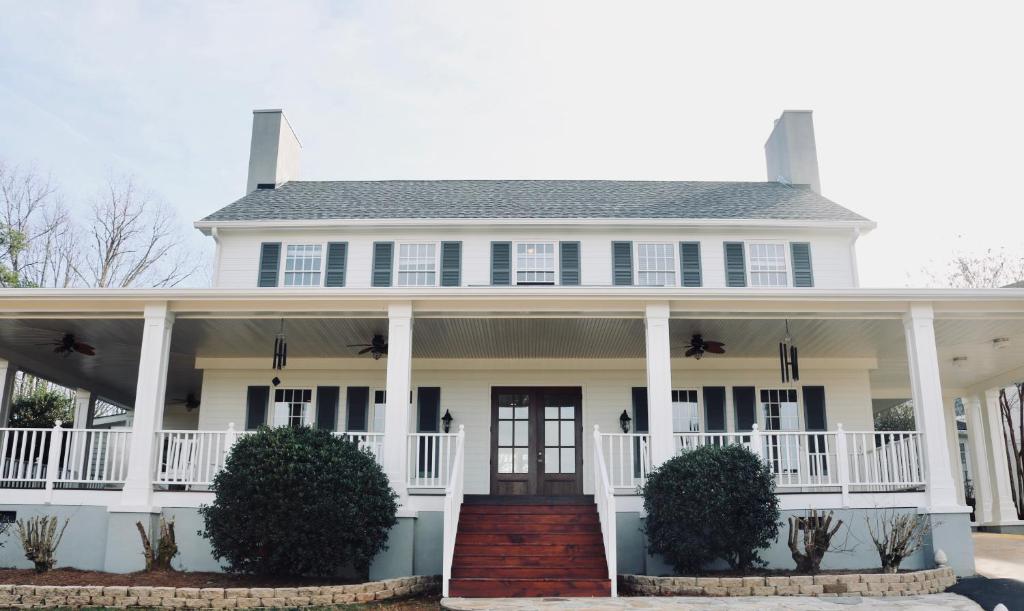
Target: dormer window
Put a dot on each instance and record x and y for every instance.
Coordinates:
(655, 265)
(417, 264)
(535, 263)
(302, 265)
(767, 265)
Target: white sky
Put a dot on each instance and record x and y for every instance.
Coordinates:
(919, 107)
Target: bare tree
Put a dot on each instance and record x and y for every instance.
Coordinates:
(1011, 406)
(34, 221)
(992, 269)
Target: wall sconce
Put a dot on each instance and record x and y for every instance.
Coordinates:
(624, 421)
(447, 420)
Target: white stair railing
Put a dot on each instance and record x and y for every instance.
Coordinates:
(628, 458)
(430, 459)
(604, 497)
(453, 496)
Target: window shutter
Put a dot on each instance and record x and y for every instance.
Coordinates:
(357, 404)
(501, 263)
(814, 408)
(569, 264)
(639, 409)
(383, 256)
(337, 256)
(735, 265)
(714, 409)
(256, 398)
(451, 263)
(327, 407)
(801, 259)
(622, 263)
(689, 264)
(429, 420)
(743, 400)
(270, 261)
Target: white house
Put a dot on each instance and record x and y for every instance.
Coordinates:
(539, 315)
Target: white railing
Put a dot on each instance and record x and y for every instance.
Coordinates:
(94, 456)
(368, 442)
(191, 458)
(690, 441)
(430, 458)
(886, 460)
(604, 497)
(628, 455)
(453, 496)
(25, 454)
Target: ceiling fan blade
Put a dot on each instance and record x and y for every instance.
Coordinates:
(710, 344)
(358, 345)
(85, 349)
(715, 349)
(365, 350)
(692, 351)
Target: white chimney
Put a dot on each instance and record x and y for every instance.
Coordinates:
(790, 151)
(274, 152)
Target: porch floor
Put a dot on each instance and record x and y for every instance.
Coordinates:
(783, 603)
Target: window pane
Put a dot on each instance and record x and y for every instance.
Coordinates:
(522, 413)
(551, 460)
(568, 460)
(505, 413)
(535, 263)
(504, 460)
(504, 433)
(551, 432)
(568, 412)
(568, 436)
(655, 265)
(551, 413)
(302, 265)
(417, 264)
(522, 434)
(768, 265)
(522, 456)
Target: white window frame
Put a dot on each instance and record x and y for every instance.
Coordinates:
(697, 407)
(748, 260)
(306, 418)
(283, 265)
(396, 265)
(673, 259)
(515, 262)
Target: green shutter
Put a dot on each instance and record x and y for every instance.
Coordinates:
(689, 263)
(383, 255)
(337, 255)
(357, 407)
(622, 263)
(745, 405)
(451, 263)
(501, 263)
(256, 400)
(569, 264)
(735, 265)
(327, 407)
(801, 255)
(270, 262)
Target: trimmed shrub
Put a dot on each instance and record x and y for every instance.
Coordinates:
(709, 503)
(299, 502)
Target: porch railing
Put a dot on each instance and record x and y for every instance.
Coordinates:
(25, 454)
(604, 497)
(94, 456)
(431, 457)
(52, 457)
(453, 496)
(627, 457)
(368, 442)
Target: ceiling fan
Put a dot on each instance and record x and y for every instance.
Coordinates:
(191, 401)
(377, 347)
(698, 346)
(68, 344)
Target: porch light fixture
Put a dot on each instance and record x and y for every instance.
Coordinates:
(624, 421)
(446, 421)
(959, 361)
(1001, 343)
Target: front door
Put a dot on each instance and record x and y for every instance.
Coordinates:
(536, 441)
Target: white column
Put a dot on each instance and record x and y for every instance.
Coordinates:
(926, 389)
(399, 384)
(977, 445)
(84, 401)
(953, 446)
(1003, 509)
(659, 383)
(150, 392)
(7, 373)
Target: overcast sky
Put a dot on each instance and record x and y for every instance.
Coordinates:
(919, 107)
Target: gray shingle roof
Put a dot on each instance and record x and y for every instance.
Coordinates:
(533, 199)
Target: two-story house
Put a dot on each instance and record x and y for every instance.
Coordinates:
(490, 341)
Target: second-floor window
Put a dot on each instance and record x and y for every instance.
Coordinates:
(655, 265)
(535, 263)
(302, 265)
(417, 264)
(768, 265)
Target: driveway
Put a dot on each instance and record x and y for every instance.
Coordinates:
(999, 556)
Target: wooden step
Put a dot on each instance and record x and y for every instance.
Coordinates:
(494, 499)
(519, 526)
(558, 510)
(538, 561)
(504, 518)
(549, 549)
(502, 588)
(528, 538)
(525, 572)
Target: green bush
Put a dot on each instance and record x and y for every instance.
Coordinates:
(298, 502)
(41, 409)
(709, 503)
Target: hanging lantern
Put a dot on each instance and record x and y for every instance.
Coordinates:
(788, 359)
(447, 420)
(280, 349)
(624, 421)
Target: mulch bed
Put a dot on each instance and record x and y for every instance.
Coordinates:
(174, 579)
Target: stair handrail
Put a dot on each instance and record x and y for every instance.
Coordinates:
(604, 497)
(453, 497)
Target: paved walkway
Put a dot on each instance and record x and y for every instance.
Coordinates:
(999, 556)
(750, 603)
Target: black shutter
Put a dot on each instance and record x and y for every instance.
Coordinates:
(622, 263)
(714, 409)
(383, 256)
(803, 276)
(256, 399)
(270, 261)
(640, 422)
(569, 265)
(451, 263)
(429, 399)
(745, 403)
(689, 264)
(814, 408)
(735, 265)
(357, 405)
(501, 263)
(327, 407)
(337, 255)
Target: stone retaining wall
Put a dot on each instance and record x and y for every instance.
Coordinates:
(865, 584)
(212, 598)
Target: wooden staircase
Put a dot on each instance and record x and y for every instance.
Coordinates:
(529, 546)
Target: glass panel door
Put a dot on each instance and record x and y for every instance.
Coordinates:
(560, 429)
(511, 444)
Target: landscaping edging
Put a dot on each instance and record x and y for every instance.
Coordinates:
(213, 598)
(861, 584)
